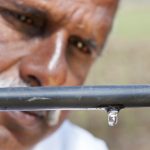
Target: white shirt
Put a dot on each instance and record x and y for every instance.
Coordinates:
(71, 137)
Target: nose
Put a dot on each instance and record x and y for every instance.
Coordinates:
(47, 64)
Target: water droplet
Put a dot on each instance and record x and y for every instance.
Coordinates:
(112, 117)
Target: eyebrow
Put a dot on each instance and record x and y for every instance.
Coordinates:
(18, 6)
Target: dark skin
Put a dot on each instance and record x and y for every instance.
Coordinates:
(48, 43)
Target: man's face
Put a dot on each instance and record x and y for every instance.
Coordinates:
(47, 43)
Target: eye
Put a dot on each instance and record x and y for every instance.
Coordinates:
(79, 44)
(25, 19)
(19, 17)
(29, 24)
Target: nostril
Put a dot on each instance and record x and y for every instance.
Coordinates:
(32, 81)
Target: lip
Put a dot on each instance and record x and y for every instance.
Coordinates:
(27, 119)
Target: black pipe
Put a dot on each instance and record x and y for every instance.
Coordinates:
(84, 97)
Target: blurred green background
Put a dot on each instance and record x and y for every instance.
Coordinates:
(125, 60)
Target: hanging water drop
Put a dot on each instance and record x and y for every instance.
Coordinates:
(112, 117)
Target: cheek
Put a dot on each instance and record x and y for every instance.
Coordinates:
(10, 55)
(78, 71)
(12, 52)
(13, 45)
(79, 65)
(7, 34)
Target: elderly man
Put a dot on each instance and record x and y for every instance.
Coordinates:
(49, 43)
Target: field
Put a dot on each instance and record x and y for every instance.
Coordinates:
(125, 60)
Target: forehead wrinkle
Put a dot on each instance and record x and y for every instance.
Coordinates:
(51, 4)
(80, 11)
(34, 2)
(10, 2)
(82, 15)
